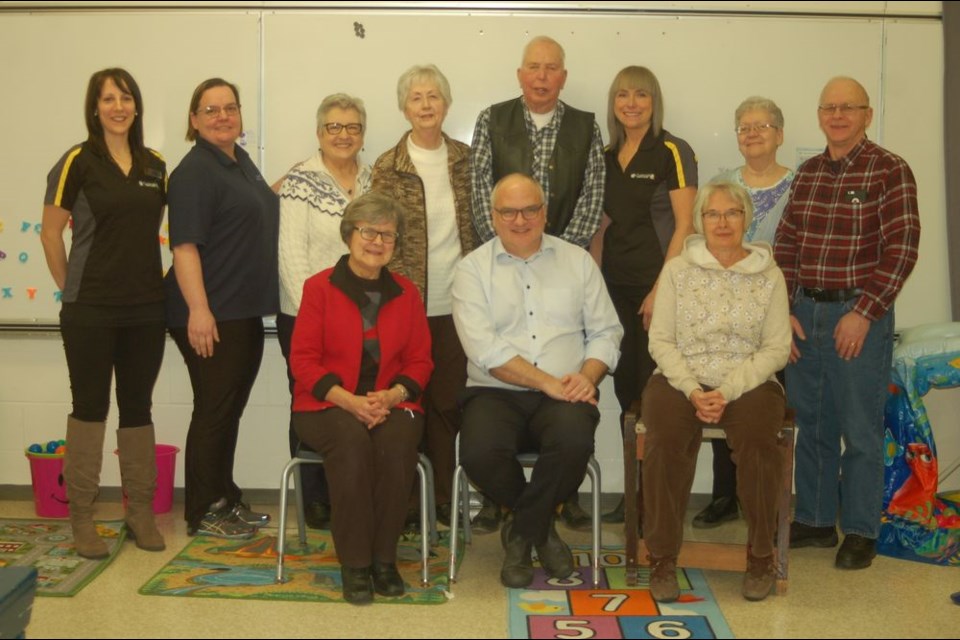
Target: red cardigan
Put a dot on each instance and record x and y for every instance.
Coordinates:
(328, 339)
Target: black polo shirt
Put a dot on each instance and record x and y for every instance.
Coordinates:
(114, 257)
(637, 201)
(227, 209)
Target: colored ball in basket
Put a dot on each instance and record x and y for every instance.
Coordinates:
(52, 446)
(35, 448)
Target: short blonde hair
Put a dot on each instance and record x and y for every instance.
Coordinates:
(733, 190)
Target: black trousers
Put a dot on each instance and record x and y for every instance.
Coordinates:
(500, 423)
(93, 355)
(636, 364)
(221, 387)
(370, 472)
(440, 403)
(313, 476)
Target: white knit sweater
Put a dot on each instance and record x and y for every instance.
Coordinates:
(311, 208)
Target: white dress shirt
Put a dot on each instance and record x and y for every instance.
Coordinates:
(551, 309)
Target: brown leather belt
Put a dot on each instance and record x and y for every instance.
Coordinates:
(831, 295)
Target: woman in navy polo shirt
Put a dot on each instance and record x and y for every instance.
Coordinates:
(112, 314)
(224, 222)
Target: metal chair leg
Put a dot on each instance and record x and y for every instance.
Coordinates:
(282, 524)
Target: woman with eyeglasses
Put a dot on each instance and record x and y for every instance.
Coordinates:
(313, 197)
(758, 123)
(429, 174)
(720, 332)
(360, 357)
(223, 233)
(111, 319)
(648, 200)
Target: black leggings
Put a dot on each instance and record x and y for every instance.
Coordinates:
(94, 353)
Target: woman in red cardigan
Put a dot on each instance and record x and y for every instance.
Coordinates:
(361, 358)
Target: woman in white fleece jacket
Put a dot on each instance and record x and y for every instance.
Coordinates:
(720, 331)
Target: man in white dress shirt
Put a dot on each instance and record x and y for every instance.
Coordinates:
(540, 332)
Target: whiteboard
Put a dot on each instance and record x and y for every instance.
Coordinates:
(286, 61)
(48, 60)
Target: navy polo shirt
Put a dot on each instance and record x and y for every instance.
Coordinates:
(637, 201)
(227, 209)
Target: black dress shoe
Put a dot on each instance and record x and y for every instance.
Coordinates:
(803, 535)
(316, 515)
(574, 516)
(386, 579)
(555, 556)
(856, 552)
(443, 514)
(517, 570)
(357, 588)
(617, 516)
(722, 509)
(487, 519)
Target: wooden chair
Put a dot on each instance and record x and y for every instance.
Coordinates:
(702, 555)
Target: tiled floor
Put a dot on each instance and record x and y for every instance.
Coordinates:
(894, 599)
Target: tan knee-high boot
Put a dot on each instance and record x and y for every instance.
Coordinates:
(81, 472)
(138, 472)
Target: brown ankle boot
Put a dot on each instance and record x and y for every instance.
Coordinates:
(664, 586)
(138, 473)
(81, 473)
(761, 577)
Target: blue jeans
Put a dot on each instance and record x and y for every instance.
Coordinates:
(838, 400)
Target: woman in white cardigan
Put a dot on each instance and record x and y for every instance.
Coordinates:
(313, 197)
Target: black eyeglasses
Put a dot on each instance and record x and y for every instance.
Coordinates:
(354, 128)
(370, 234)
(529, 213)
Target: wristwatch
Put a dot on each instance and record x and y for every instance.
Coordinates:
(404, 394)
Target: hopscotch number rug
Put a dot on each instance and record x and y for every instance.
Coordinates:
(47, 545)
(571, 608)
(246, 569)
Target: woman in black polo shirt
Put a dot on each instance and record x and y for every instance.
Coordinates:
(224, 223)
(648, 211)
(111, 319)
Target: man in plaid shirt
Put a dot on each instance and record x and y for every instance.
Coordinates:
(538, 135)
(846, 244)
(558, 146)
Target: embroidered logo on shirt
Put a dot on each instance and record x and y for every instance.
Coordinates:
(643, 176)
(147, 183)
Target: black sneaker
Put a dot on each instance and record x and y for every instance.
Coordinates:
(223, 524)
(253, 518)
(722, 509)
(804, 535)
